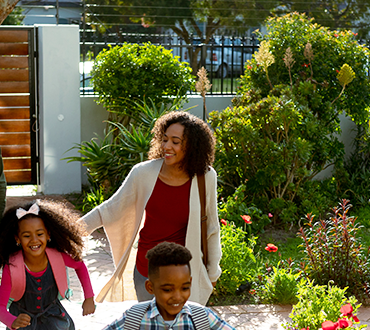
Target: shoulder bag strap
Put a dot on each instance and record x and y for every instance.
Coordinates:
(203, 217)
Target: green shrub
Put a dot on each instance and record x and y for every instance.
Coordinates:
(137, 72)
(236, 206)
(238, 263)
(284, 127)
(316, 304)
(331, 49)
(281, 287)
(335, 253)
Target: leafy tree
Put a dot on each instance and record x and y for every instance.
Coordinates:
(6, 7)
(336, 14)
(15, 18)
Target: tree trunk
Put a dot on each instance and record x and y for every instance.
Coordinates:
(6, 7)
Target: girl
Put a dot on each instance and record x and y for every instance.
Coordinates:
(37, 241)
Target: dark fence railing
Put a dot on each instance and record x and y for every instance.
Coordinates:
(223, 57)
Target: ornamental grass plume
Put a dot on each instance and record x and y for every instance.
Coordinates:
(345, 76)
(289, 62)
(265, 58)
(202, 86)
(308, 54)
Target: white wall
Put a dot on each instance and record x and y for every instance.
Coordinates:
(59, 106)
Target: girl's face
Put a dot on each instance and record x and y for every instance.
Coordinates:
(33, 236)
(173, 145)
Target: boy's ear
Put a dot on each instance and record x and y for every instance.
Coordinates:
(149, 286)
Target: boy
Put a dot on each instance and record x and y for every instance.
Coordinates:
(169, 280)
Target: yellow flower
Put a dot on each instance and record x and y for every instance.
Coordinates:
(264, 57)
(345, 75)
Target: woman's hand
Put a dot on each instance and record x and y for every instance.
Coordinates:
(22, 321)
(88, 306)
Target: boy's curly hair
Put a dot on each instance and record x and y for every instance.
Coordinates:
(167, 254)
(199, 144)
(60, 221)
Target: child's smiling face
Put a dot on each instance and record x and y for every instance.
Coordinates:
(32, 236)
(171, 288)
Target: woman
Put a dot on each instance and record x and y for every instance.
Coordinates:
(166, 188)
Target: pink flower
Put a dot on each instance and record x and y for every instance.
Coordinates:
(329, 325)
(347, 310)
(247, 219)
(224, 222)
(249, 67)
(344, 323)
(270, 215)
(308, 328)
(271, 248)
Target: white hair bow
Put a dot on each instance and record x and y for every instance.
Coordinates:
(34, 209)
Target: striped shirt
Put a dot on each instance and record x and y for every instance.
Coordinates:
(153, 320)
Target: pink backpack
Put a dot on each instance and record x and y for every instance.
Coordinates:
(18, 275)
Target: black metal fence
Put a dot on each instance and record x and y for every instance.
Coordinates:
(223, 57)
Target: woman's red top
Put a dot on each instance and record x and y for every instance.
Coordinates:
(167, 215)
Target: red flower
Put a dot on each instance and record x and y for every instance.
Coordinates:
(271, 247)
(329, 325)
(305, 65)
(336, 35)
(347, 310)
(344, 323)
(249, 67)
(247, 219)
(355, 34)
(270, 215)
(337, 71)
(252, 291)
(224, 222)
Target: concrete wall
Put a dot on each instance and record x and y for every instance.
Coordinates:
(93, 115)
(59, 108)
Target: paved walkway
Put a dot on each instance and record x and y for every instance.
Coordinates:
(99, 262)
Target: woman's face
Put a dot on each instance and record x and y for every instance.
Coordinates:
(173, 145)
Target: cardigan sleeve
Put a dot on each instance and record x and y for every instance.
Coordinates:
(110, 212)
(213, 227)
(82, 274)
(5, 289)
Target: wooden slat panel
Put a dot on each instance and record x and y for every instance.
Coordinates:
(18, 62)
(17, 164)
(14, 138)
(13, 36)
(13, 49)
(11, 101)
(14, 87)
(14, 126)
(20, 113)
(18, 176)
(14, 75)
(16, 151)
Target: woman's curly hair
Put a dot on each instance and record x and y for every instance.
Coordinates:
(199, 146)
(60, 221)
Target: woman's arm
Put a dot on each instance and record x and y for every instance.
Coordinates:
(5, 289)
(213, 227)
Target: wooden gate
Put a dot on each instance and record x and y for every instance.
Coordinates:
(18, 115)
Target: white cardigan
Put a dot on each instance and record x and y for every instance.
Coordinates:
(122, 214)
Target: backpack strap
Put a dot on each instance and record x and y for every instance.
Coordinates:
(18, 275)
(199, 317)
(135, 315)
(59, 270)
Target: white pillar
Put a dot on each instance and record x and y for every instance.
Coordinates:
(59, 107)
